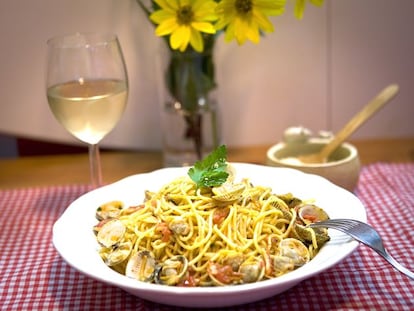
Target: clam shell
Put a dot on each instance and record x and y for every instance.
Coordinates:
(172, 271)
(252, 271)
(119, 254)
(141, 266)
(109, 210)
(295, 250)
(111, 233)
(228, 192)
(310, 213)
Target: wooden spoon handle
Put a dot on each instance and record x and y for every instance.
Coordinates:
(373, 106)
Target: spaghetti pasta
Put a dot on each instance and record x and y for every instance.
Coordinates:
(232, 234)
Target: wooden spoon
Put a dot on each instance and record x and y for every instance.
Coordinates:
(373, 106)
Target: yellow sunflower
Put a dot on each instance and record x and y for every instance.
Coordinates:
(184, 21)
(245, 19)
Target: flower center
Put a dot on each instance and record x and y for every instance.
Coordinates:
(244, 6)
(185, 15)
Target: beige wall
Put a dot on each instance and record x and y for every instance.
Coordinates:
(317, 72)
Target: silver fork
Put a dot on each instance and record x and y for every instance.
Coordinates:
(365, 234)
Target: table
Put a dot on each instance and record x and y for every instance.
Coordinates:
(34, 277)
(73, 169)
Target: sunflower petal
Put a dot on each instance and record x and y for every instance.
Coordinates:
(196, 40)
(262, 21)
(170, 5)
(159, 16)
(204, 27)
(271, 7)
(299, 8)
(166, 27)
(180, 37)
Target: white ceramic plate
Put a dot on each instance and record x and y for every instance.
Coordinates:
(74, 240)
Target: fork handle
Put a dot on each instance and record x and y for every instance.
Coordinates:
(395, 263)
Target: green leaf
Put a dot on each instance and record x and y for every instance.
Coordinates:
(211, 171)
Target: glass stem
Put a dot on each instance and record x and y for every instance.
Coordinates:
(95, 165)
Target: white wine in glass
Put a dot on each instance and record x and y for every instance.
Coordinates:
(87, 88)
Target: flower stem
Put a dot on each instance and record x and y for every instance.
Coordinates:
(144, 8)
(194, 132)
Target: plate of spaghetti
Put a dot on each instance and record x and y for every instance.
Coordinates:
(162, 237)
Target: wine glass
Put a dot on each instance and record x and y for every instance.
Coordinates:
(87, 88)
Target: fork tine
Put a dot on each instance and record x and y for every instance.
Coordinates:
(352, 224)
(354, 228)
(343, 225)
(338, 223)
(343, 221)
(365, 234)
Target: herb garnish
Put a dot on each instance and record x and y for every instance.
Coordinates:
(211, 171)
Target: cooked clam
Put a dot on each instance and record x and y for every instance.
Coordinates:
(172, 270)
(119, 253)
(228, 192)
(310, 213)
(253, 193)
(109, 210)
(141, 266)
(99, 225)
(279, 204)
(111, 233)
(234, 259)
(131, 209)
(179, 226)
(231, 171)
(295, 250)
(282, 264)
(290, 199)
(252, 271)
(302, 233)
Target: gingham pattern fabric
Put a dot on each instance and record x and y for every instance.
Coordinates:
(34, 277)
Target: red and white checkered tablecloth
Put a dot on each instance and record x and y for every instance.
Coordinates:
(34, 277)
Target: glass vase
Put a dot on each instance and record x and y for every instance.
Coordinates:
(190, 114)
